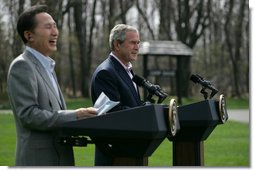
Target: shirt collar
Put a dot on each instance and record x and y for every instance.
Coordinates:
(127, 68)
(46, 61)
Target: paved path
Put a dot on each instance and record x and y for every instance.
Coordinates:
(5, 111)
(240, 115)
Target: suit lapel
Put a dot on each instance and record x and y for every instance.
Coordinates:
(125, 77)
(60, 93)
(45, 77)
(136, 88)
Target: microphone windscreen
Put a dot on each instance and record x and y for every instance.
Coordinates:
(138, 80)
(194, 78)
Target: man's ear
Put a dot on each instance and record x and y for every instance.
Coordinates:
(116, 45)
(28, 35)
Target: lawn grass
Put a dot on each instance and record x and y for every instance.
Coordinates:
(74, 103)
(228, 145)
(7, 140)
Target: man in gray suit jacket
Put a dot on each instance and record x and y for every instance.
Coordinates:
(36, 99)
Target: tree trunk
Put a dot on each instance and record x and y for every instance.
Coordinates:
(233, 31)
(88, 61)
(72, 71)
(80, 23)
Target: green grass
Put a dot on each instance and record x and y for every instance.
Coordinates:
(7, 140)
(73, 103)
(232, 103)
(78, 102)
(228, 145)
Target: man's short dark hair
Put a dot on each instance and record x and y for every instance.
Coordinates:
(26, 20)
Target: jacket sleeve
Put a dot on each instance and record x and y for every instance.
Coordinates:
(105, 81)
(31, 100)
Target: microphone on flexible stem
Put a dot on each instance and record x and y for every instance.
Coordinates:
(205, 84)
(152, 89)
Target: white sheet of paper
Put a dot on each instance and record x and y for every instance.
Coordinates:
(103, 104)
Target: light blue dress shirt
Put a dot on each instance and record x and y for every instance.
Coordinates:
(48, 64)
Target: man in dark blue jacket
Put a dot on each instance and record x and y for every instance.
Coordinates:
(114, 75)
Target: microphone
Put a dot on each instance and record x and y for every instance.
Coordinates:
(152, 89)
(206, 84)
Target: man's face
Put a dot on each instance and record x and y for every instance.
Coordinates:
(44, 36)
(128, 50)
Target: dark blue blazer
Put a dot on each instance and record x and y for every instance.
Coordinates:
(111, 78)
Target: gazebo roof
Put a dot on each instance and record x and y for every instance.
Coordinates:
(165, 48)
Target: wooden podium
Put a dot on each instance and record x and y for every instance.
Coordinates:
(129, 136)
(197, 121)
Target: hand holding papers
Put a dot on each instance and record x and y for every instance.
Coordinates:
(103, 104)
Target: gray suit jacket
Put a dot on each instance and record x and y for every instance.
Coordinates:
(37, 111)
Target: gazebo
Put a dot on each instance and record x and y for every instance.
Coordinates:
(175, 49)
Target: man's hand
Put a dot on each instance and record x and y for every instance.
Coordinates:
(83, 113)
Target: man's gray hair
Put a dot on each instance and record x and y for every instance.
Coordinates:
(118, 34)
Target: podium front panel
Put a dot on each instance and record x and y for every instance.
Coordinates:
(134, 132)
(197, 121)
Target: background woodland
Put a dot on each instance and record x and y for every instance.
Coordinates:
(216, 30)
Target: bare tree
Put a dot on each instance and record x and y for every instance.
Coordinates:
(3, 62)
(71, 60)
(184, 20)
(88, 23)
(166, 15)
(85, 45)
(18, 44)
(15, 9)
(11, 44)
(80, 21)
(191, 19)
(234, 33)
(90, 49)
(145, 17)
